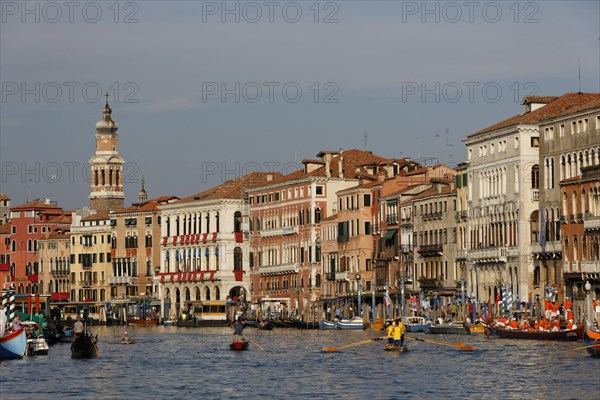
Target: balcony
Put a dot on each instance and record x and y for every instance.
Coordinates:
(283, 231)
(330, 276)
(431, 216)
(462, 254)
(406, 222)
(590, 266)
(391, 219)
(389, 253)
(405, 248)
(86, 283)
(239, 237)
(591, 222)
(182, 277)
(430, 250)
(550, 248)
(239, 275)
(430, 283)
(59, 296)
(461, 216)
(280, 269)
(341, 276)
(535, 194)
(58, 272)
(33, 278)
(488, 255)
(119, 280)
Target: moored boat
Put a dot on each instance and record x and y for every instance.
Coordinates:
(265, 325)
(238, 346)
(13, 345)
(572, 334)
(416, 324)
(328, 324)
(140, 321)
(455, 327)
(591, 337)
(84, 346)
(304, 325)
(354, 323)
(474, 328)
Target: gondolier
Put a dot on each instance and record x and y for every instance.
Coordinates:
(238, 329)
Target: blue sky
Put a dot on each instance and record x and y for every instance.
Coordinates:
(403, 72)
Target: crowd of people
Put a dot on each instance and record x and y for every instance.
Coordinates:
(551, 320)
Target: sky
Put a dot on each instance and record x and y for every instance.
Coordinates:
(207, 91)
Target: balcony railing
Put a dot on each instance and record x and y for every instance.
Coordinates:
(461, 216)
(489, 254)
(391, 219)
(591, 222)
(341, 276)
(119, 280)
(462, 254)
(549, 247)
(430, 216)
(65, 271)
(86, 283)
(590, 266)
(430, 250)
(389, 253)
(283, 231)
(330, 276)
(280, 269)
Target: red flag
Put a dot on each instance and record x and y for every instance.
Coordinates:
(37, 302)
(29, 303)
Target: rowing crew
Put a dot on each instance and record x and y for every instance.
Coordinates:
(544, 325)
(395, 333)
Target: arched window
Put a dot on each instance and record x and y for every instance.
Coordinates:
(207, 291)
(237, 221)
(535, 177)
(237, 259)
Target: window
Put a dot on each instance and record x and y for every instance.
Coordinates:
(535, 141)
(367, 200)
(561, 130)
(517, 142)
(319, 190)
(549, 133)
(367, 227)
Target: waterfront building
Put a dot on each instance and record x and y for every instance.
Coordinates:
(90, 256)
(462, 213)
(4, 209)
(4, 256)
(331, 276)
(55, 263)
(285, 217)
(567, 254)
(136, 238)
(29, 223)
(204, 247)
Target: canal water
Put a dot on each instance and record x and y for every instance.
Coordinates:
(196, 363)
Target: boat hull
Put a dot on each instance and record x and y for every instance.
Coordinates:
(265, 326)
(327, 325)
(573, 334)
(448, 329)
(592, 338)
(84, 346)
(13, 345)
(135, 321)
(355, 323)
(399, 349)
(239, 346)
(37, 347)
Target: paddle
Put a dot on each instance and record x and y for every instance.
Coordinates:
(258, 345)
(458, 345)
(332, 349)
(597, 345)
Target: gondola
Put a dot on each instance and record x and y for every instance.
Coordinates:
(239, 346)
(265, 325)
(591, 337)
(84, 346)
(503, 333)
(297, 323)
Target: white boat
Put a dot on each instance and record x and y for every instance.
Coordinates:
(416, 324)
(354, 323)
(36, 344)
(328, 324)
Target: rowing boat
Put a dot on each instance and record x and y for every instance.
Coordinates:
(392, 347)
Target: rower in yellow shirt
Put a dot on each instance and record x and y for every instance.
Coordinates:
(390, 332)
(398, 332)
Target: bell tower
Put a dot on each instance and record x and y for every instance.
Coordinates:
(107, 166)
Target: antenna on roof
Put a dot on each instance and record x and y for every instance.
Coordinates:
(579, 79)
(437, 142)
(365, 140)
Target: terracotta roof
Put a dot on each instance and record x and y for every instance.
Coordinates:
(62, 219)
(538, 99)
(34, 206)
(101, 216)
(147, 206)
(232, 189)
(4, 229)
(4, 197)
(566, 104)
(429, 193)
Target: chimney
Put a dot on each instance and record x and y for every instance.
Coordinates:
(340, 164)
(48, 201)
(327, 159)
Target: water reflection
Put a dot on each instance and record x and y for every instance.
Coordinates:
(170, 361)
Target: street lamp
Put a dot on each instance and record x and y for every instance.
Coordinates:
(589, 319)
(357, 276)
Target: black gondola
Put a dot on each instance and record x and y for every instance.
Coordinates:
(238, 346)
(84, 346)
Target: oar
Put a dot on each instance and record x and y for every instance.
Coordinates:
(332, 349)
(457, 345)
(258, 345)
(597, 345)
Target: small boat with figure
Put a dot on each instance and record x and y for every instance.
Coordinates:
(566, 334)
(13, 345)
(393, 347)
(36, 343)
(591, 338)
(84, 346)
(238, 346)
